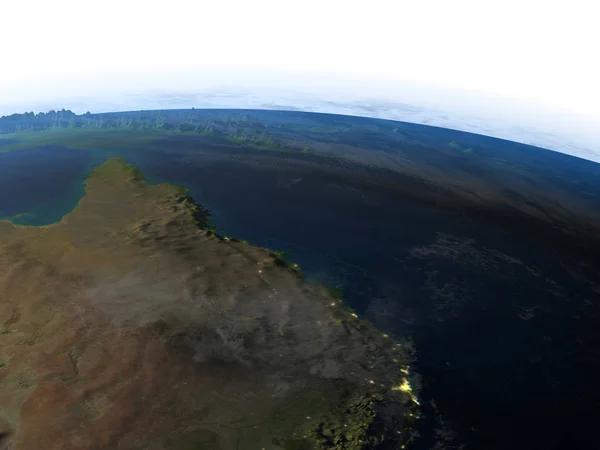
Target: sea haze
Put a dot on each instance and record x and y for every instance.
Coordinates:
(563, 132)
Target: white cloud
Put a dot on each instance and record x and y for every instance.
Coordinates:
(519, 52)
(521, 48)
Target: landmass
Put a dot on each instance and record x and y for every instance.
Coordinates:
(131, 324)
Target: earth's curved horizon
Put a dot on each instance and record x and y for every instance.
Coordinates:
(482, 252)
(561, 131)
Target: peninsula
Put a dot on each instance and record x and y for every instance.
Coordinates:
(131, 324)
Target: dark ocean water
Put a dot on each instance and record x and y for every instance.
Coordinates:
(462, 287)
(43, 184)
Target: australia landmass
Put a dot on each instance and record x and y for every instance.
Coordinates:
(131, 324)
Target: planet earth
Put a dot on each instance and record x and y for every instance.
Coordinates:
(244, 279)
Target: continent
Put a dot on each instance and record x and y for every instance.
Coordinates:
(131, 324)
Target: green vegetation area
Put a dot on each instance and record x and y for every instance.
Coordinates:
(99, 138)
(281, 259)
(81, 138)
(262, 142)
(336, 292)
(458, 147)
(124, 130)
(320, 130)
(329, 415)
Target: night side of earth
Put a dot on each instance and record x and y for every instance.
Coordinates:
(242, 279)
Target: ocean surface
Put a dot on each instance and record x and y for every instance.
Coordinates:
(40, 185)
(467, 291)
